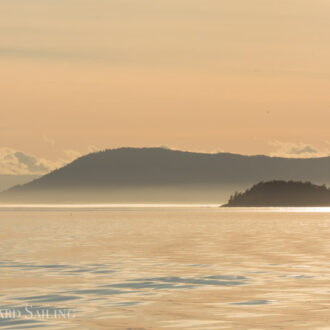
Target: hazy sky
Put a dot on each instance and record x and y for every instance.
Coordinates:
(247, 76)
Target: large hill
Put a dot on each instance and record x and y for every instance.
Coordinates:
(9, 180)
(157, 174)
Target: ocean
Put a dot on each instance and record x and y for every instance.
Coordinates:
(161, 266)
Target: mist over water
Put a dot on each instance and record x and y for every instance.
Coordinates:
(163, 266)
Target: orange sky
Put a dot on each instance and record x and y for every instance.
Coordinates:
(234, 75)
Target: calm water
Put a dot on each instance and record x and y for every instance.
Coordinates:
(143, 267)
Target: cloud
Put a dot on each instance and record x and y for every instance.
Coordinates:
(16, 162)
(72, 154)
(93, 148)
(297, 150)
(47, 53)
(48, 140)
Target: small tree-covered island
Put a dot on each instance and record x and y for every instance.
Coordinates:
(281, 193)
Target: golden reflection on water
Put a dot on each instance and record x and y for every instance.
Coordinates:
(167, 267)
(159, 206)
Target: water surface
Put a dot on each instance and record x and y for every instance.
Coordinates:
(164, 266)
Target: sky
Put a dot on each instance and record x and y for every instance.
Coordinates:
(241, 76)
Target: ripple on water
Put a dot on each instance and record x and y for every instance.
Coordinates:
(102, 292)
(219, 280)
(253, 302)
(20, 324)
(48, 298)
(99, 286)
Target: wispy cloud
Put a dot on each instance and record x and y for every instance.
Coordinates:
(93, 148)
(48, 140)
(103, 55)
(297, 150)
(72, 154)
(20, 163)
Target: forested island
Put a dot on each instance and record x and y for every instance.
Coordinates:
(281, 193)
